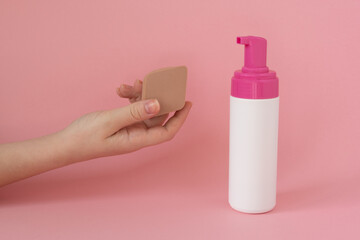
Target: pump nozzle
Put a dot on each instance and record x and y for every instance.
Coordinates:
(255, 53)
(254, 80)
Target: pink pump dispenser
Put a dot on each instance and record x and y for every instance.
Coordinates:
(255, 54)
(254, 80)
(254, 114)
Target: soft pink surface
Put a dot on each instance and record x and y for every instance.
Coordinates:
(61, 59)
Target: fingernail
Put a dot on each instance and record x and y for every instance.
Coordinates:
(151, 106)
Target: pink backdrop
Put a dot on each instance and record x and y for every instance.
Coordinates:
(61, 59)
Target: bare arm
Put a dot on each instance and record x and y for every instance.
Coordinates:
(98, 134)
(24, 159)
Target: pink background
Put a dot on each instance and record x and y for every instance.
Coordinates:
(62, 59)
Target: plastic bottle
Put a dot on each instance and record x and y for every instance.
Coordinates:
(254, 114)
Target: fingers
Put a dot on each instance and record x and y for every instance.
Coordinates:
(160, 134)
(124, 90)
(133, 113)
(156, 121)
(138, 86)
(175, 122)
(133, 93)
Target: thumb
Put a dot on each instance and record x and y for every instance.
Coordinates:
(133, 113)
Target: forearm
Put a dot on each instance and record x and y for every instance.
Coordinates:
(24, 159)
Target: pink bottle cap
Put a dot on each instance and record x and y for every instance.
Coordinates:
(254, 80)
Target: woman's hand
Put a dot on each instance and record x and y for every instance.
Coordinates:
(124, 129)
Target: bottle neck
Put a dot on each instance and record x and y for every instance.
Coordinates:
(255, 70)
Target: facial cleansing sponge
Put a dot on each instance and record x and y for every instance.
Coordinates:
(168, 86)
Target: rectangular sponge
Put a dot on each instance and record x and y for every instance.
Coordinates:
(168, 86)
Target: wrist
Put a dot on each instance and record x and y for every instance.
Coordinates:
(65, 147)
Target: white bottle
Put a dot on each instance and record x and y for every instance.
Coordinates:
(254, 114)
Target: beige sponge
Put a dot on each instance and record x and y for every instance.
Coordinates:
(168, 86)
